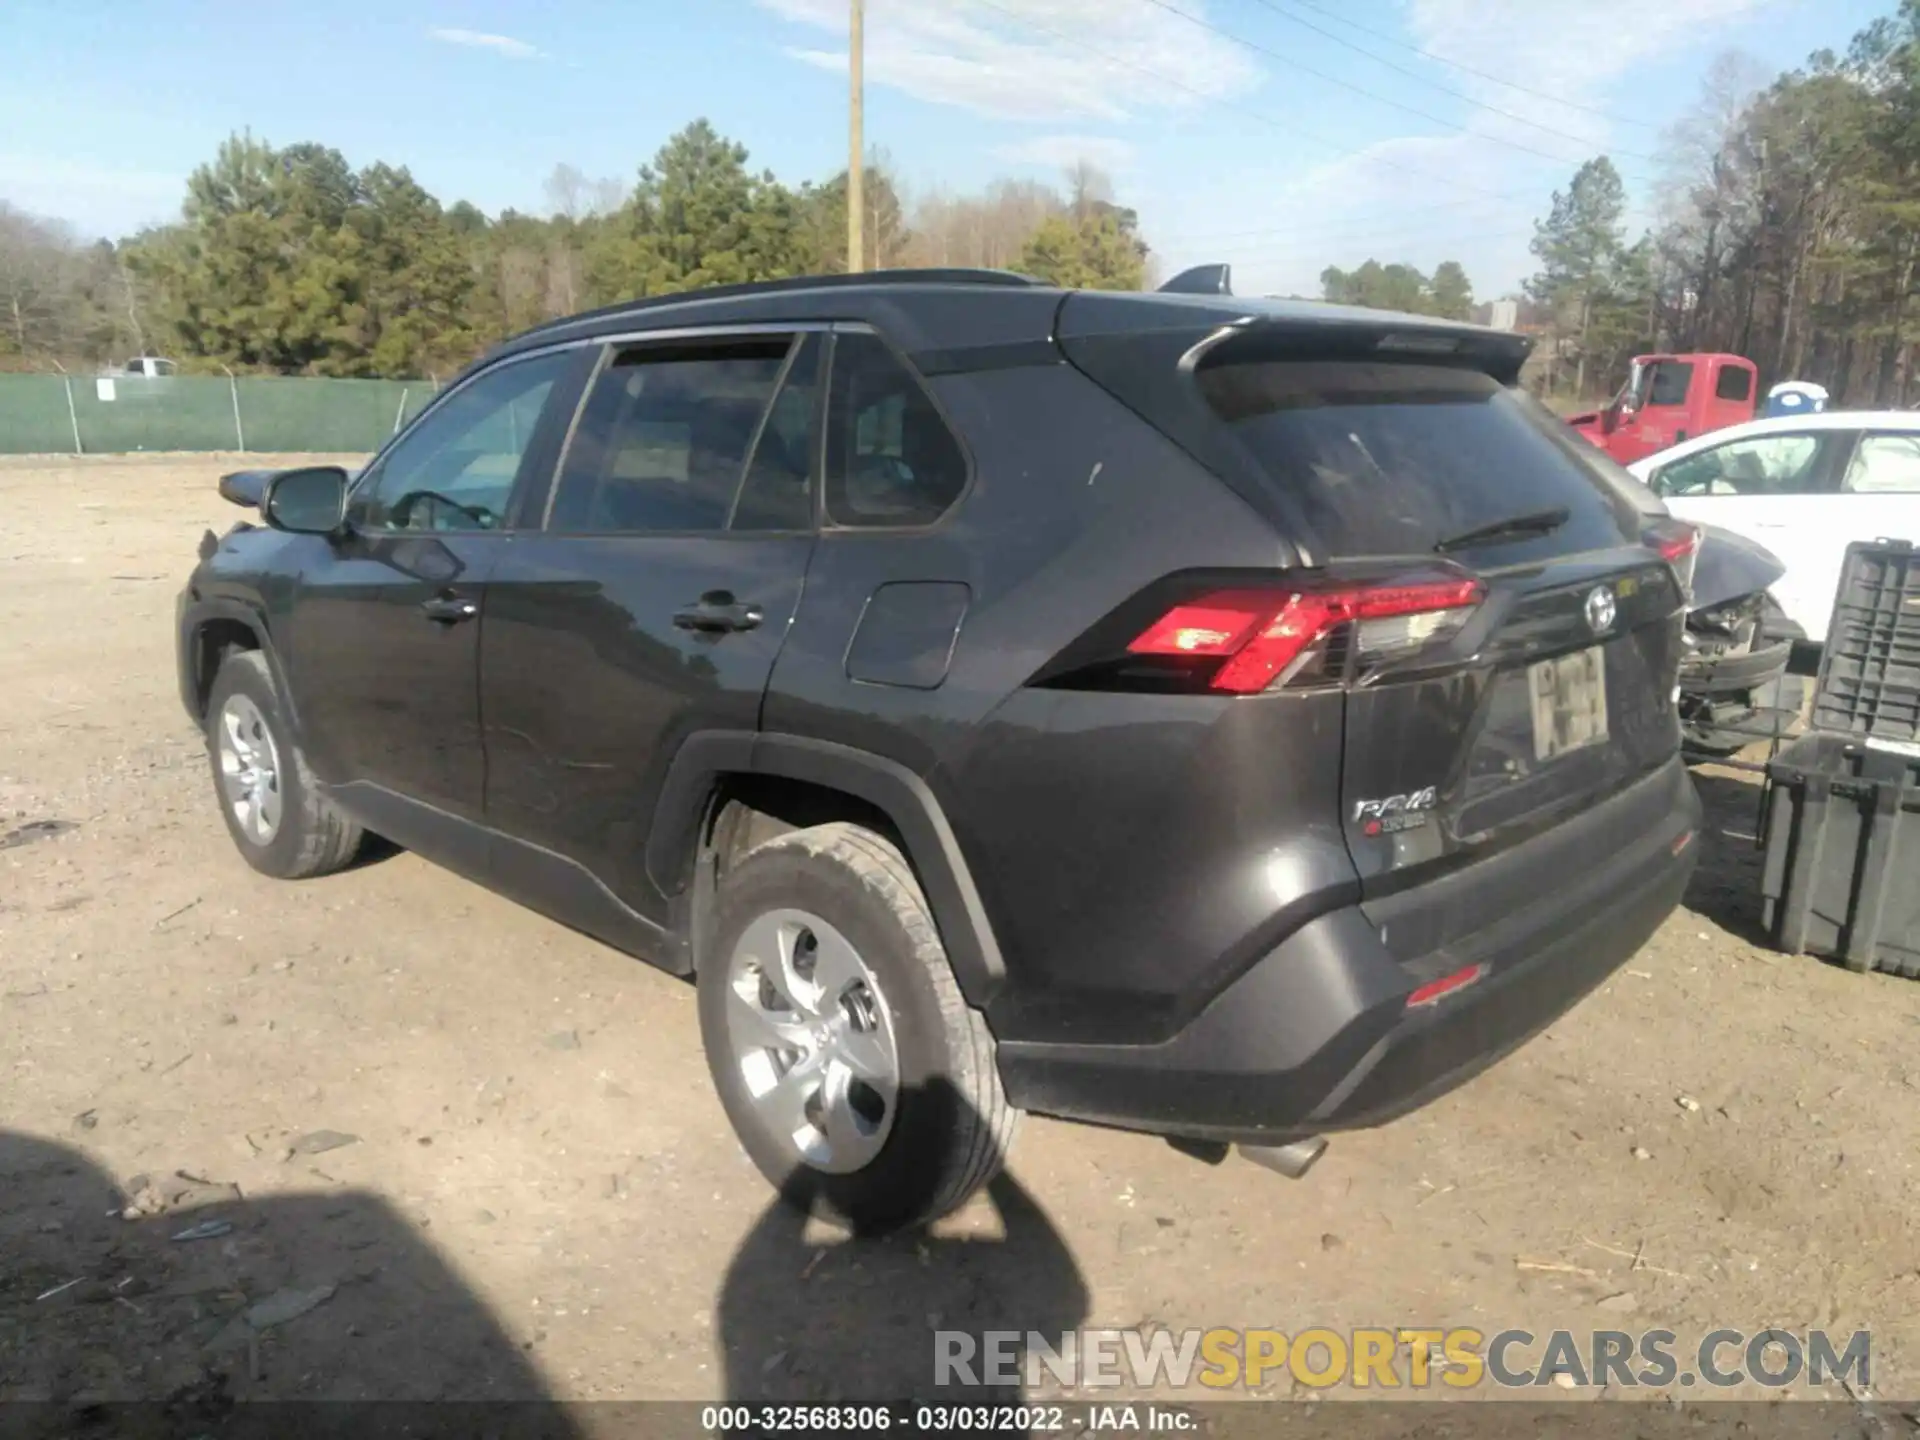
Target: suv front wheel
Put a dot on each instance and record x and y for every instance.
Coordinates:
(280, 822)
(857, 1077)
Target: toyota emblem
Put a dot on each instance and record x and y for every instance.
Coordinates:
(1600, 610)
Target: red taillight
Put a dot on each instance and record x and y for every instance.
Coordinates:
(1434, 990)
(1679, 545)
(1261, 634)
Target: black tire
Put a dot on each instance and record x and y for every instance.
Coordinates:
(952, 1124)
(313, 836)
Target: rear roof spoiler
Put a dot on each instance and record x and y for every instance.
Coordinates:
(1201, 280)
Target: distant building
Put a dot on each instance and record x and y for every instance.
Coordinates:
(1505, 314)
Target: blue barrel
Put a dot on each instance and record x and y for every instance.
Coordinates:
(1796, 397)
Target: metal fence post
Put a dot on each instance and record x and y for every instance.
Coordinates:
(233, 388)
(73, 415)
(400, 411)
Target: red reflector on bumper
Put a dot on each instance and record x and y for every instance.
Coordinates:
(1431, 992)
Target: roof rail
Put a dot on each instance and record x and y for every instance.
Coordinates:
(1200, 280)
(932, 276)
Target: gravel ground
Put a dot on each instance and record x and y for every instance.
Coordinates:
(465, 1153)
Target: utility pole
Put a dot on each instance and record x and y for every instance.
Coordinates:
(856, 189)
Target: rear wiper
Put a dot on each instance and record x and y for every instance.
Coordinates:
(1514, 527)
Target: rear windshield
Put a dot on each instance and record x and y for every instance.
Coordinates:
(1394, 459)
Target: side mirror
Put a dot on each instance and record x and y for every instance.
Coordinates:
(311, 501)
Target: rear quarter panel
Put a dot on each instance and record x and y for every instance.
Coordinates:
(1123, 845)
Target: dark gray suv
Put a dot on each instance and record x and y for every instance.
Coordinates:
(1230, 719)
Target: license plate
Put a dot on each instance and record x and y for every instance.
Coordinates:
(1569, 702)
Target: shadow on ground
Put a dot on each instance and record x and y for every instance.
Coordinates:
(845, 1318)
(204, 1300)
(1726, 885)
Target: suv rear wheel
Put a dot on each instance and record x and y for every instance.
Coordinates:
(280, 822)
(857, 1077)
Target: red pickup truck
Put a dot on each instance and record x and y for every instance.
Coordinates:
(1670, 398)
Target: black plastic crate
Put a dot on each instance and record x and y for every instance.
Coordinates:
(1842, 875)
(1869, 685)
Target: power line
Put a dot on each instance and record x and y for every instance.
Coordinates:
(1447, 89)
(1360, 90)
(1380, 241)
(1203, 96)
(1467, 69)
(1187, 240)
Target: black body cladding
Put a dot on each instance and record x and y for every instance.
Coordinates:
(879, 549)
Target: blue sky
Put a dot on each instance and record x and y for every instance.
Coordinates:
(1278, 135)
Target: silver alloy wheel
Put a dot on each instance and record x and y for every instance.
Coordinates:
(813, 1038)
(249, 769)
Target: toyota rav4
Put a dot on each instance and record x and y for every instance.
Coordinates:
(1228, 719)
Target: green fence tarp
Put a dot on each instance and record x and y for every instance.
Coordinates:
(125, 413)
(33, 415)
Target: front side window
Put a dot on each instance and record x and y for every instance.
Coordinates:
(1885, 465)
(1763, 465)
(1669, 383)
(778, 491)
(891, 460)
(455, 469)
(661, 443)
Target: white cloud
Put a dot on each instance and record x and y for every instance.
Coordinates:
(1462, 196)
(480, 40)
(1033, 59)
(1057, 152)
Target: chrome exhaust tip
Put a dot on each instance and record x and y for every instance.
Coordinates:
(1292, 1161)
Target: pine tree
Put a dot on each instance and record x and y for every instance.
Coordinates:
(1577, 245)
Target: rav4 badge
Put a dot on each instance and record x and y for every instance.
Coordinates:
(1394, 813)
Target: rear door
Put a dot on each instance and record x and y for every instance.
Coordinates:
(1879, 500)
(1779, 490)
(654, 597)
(1551, 688)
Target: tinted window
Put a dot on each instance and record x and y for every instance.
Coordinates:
(1885, 465)
(1733, 384)
(455, 469)
(890, 458)
(1669, 383)
(778, 491)
(1762, 465)
(1387, 459)
(662, 440)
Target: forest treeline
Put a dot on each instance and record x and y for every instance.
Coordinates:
(1787, 230)
(287, 259)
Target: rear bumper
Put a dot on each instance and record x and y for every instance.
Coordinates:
(1735, 674)
(1317, 1036)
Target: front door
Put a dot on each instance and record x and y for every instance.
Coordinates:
(383, 640)
(1777, 490)
(651, 604)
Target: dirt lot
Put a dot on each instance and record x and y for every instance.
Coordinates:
(541, 1196)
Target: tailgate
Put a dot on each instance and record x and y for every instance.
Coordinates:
(1558, 695)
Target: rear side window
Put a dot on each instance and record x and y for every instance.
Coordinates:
(890, 458)
(1393, 459)
(1885, 465)
(661, 442)
(1733, 384)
